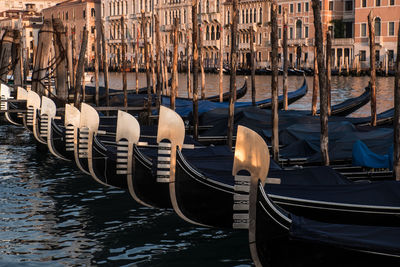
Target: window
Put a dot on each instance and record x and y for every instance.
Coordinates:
(279, 9)
(92, 30)
(390, 55)
(391, 28)
(298, 29)
(377, 26)
(377, 2)
(307, 7)
(363, 29)
(349, 5)
(306, 32)
(92, 13)
(84, 13)
(290, 33)
(392, 2)
(30, 34)
(363, 55)
(330, 5)
(291, 8)
(298, 7)
(364, 3)
(280, 33)
(260, 15)
(66, 15)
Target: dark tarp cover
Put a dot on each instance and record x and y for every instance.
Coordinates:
(368, 238)
(386, 193)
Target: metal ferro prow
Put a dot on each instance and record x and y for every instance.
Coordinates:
(32, 106)
(251, 155)
(127, 135)
(88, 127)
(47, 114)
(72, 118)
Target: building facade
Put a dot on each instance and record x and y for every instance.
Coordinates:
(76, 15)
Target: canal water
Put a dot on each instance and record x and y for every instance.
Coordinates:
(53, 215)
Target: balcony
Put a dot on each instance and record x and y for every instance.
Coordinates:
(298, 42)
(246, 26)
(244, 46)
(212, 44)
(213, 17)
(166, 28)
(342, 41)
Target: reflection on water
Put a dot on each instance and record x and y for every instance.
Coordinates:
(342, 88)
(52, 214)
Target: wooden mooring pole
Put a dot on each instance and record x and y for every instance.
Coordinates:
(203, 76)
(274, 80)
(147, 63)
(96, 67)
(105, 64)
(123, 48)
(174, 64)
(158, 59)
(221, 63)
(285, 60)
(319, 43)
(253, 67)
(396, 124)
(188, 80)
(315, 85)
(232, 81)
(328, 69)
(137, 61)
(195, 54)
(80, 68)
(371, 26)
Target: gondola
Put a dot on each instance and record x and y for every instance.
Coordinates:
(184, 107)
(192, 188)
(14, 118)
(350, 105)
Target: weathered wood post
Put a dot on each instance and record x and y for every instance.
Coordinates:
(42, 52)
(16, 56)
(165, 71)
(274, 80)
(96, 67)
(221, 63)
(232, 81)
(69, 57)
(322, 81)
(253, 67)
(80, 68)
(146, 59)
(158, 60)
(105, 64)
(203, 76)
(61, 78)
(174, 64)
(195, 54)
(137, 61)
(328, 69)
(315, 85)
(371, 27)
(396, 124)
(285, 60)
(189, 90)
(153, 71)
(123, 54)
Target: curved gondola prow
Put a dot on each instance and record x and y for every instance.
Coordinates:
(72, 118)
(47, 113)
(127, 135)
(32, 105)
(251, 155)
(5, 94)
(88, 126)
(171, 128)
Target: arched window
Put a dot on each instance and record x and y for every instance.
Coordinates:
(117, 8)
(298, 29)
(260, 17)
(242, 15)
(255, 15)
(208, 33)
(377, 26)
(218, 33)
(217, 5)
(92, 12)
(228, 17)
(208, 6)
(247, 16)
(212, 33)
(251, 15)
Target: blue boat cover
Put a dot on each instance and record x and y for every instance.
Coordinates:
(363, 156)
(367, 238)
